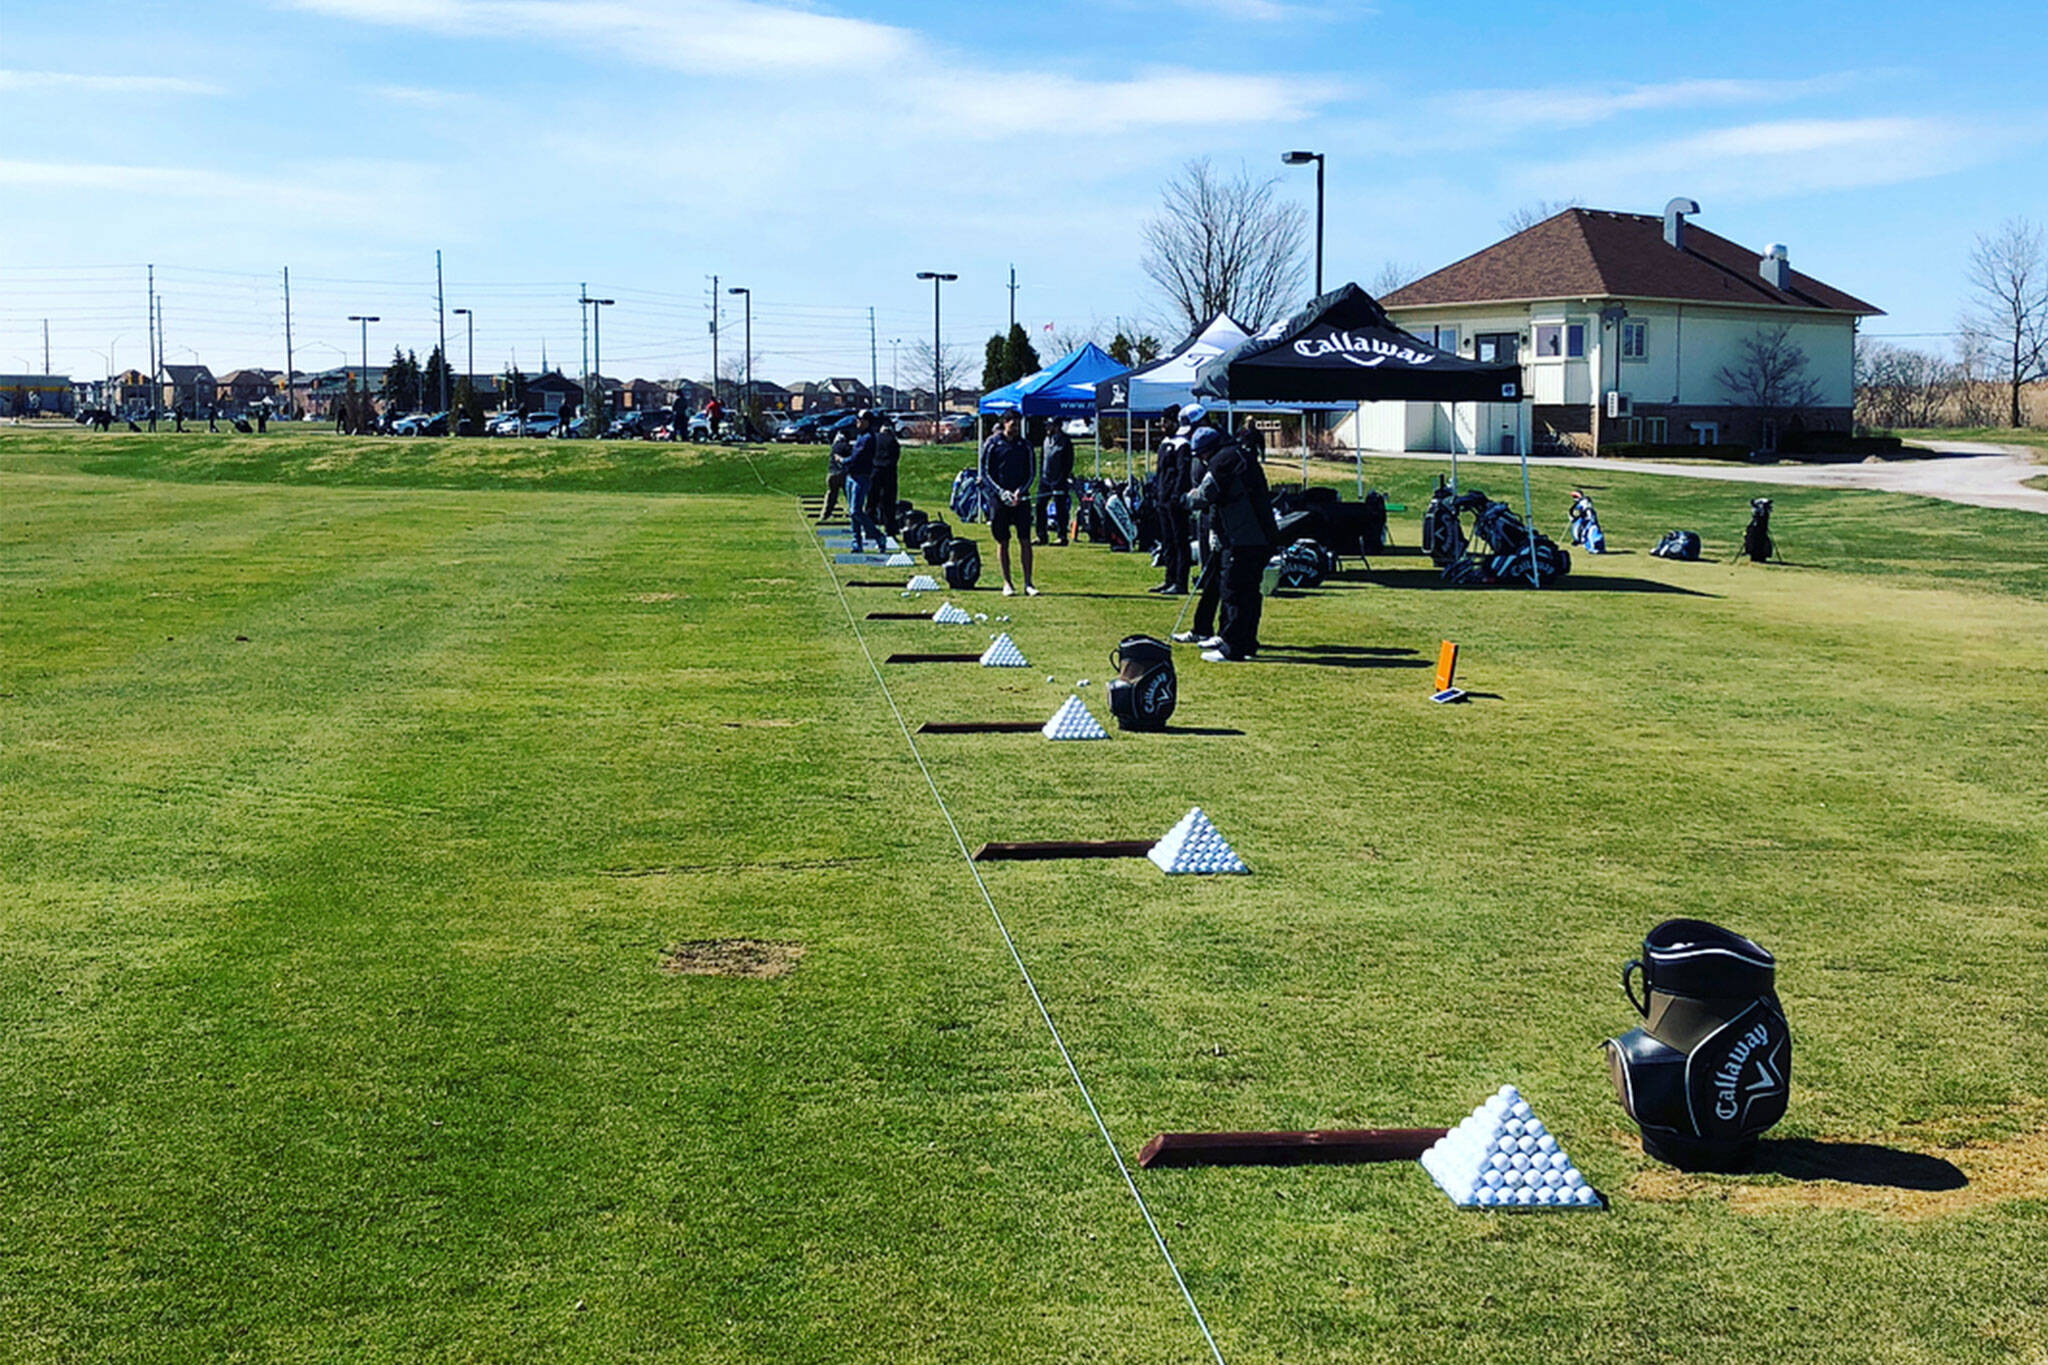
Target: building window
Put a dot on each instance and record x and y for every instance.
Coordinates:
(1770, 434)
(1549, 340)
(1706, 433)
(1635, 428)
(1634, 340)
(1653, 430)
(1496, 348)
(1446, 339)
(1575, 341)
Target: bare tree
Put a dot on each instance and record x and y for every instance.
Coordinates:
(1900, 387)
(952, 366)
(1071, 336)
(1394, 275)
(1769, 373)
(1225, 245)
(2008, 308)
(1529, 215)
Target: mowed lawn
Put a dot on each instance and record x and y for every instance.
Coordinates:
(351, 794)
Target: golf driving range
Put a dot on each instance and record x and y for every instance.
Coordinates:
(481, 901)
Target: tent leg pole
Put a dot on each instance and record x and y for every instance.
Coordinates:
(1454, 452)
(1529, 511)
(1358, 445)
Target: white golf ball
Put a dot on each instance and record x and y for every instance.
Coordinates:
(1520, 1109)
(1574, 1181)
(1583, 1194)
(1525, 1196)
(1499, 1161)
(1513, 1127)
(1491, 1179)
(1547, 1143)
(1558, 1160)
(1546, 1196)
(1486, 1198)
(1525, 1143)
(1519, 1162)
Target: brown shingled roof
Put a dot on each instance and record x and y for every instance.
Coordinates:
(1594, 253)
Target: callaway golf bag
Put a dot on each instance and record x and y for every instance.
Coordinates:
(1585, 523)
(1443, 533)
(1144, 691)
(1509, 554)
(1756, 539)
(1711, 1067)
(962, 565)
(1678, 545)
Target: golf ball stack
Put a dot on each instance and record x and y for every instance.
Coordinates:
(1501, 1156)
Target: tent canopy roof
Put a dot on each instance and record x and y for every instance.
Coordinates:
(1343, 347)
(1170, 381)
(1065, 388)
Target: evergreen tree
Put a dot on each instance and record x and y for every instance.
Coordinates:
(995, 364)
(513, 391)
(1020, 357)
(469, 407)
(431, 379)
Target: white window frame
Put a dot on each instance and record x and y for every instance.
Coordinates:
(1706, 433)
(1654, 430)
(1536, 331)
(1575, 331)
(1639, 330)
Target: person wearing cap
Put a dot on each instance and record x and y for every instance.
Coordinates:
(1055, 479)
(1252, 439)
(1241, 513)
(1007, 473)
(835, 473)
(1176, 477)
(882, 482)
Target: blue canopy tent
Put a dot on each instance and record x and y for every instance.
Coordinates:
(1065, 388)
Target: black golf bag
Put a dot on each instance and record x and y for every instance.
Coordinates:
(1373, 536)
(1678, 545)
(1511, 552)
(1144, 691)
(933, 543)
(1711, 1068)
(1305, 564)
(1585, 525)
(1756, 539)
(1089, 521)
(1443, 533)
(963, 563)
(913, 523)
(969, 500)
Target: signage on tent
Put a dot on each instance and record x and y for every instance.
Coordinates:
(1350, 345)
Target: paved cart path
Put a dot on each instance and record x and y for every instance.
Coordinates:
(1966, 472)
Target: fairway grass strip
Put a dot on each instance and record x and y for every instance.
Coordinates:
(1016, 956)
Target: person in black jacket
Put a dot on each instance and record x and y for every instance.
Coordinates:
(1241, 513)
(835, 474)
(860, 467)
(1007, 473)
(1252, 439)
(882, 484)
(1055, 482)
(1176, 477)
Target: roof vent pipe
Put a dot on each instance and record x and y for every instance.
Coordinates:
(1674, 220)
(1776, 266)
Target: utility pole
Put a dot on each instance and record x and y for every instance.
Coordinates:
(152, 348)
(469, 370)
(291, 381)
(938, 387)
(441, 310)
(895, 375)
(1013, 301)
(747, 403)
(583, 319)
(714, 336)
(163, 359)
(595, 407)
(874, 361)
(46, 346)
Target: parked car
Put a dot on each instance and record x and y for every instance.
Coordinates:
(582, 429)
(956, 426)
(802, 429)
(540, 424)
(405, 424)
(504, 424)
(628, 426)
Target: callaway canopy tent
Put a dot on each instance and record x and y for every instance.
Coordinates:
(1170, 381)
(1343, 346)
(1065, 388)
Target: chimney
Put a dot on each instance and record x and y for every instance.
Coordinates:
(1674, 220)
(1776, 266)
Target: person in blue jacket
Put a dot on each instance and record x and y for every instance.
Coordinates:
(1008, 470)
(860, 468)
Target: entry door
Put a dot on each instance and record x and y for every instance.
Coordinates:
(1496, 348)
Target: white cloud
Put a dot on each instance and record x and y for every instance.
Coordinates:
(1553, 107)
(1270, 11)
(1771, 159)
(705, 37)
(104, 84)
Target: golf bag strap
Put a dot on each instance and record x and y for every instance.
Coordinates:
(1628, 970)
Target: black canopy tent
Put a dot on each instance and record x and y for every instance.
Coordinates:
(1344, 347)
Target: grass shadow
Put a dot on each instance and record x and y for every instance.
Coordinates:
(1337, 649)
(1338, 660)
(1857, 1163)
(1430, 578)
(1219, 730)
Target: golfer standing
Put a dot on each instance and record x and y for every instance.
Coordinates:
(882, 489)
(1007, 473)
(1242, 511)
(1055, 478)
(1176, 469)
(860, 468)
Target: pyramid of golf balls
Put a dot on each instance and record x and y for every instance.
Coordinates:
(1074, 721)
(899, 560)
(924, 582)
(1003, 654)
(950, 615)
(1502, 1157)
(1195, 846)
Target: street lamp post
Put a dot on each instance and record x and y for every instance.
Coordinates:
(597, 349)
(365, 320)
(469, 370)
(747, 403)
(938, 389)
(1302, 159)
(895, 377)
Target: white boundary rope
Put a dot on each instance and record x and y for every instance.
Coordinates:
(1144, 1210)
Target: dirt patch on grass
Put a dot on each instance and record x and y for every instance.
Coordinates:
(1867, 1177)
(762, 724)
(753, 959)
(649, 598)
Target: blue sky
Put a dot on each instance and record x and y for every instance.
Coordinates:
(823, 154)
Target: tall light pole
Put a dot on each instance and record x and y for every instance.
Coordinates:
(747, 403)
(365, 321)
(597, 350)
(938, 389)
(469, 368)
(1302, 159)
(895, 378)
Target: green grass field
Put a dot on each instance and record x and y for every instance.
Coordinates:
(352, 794)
